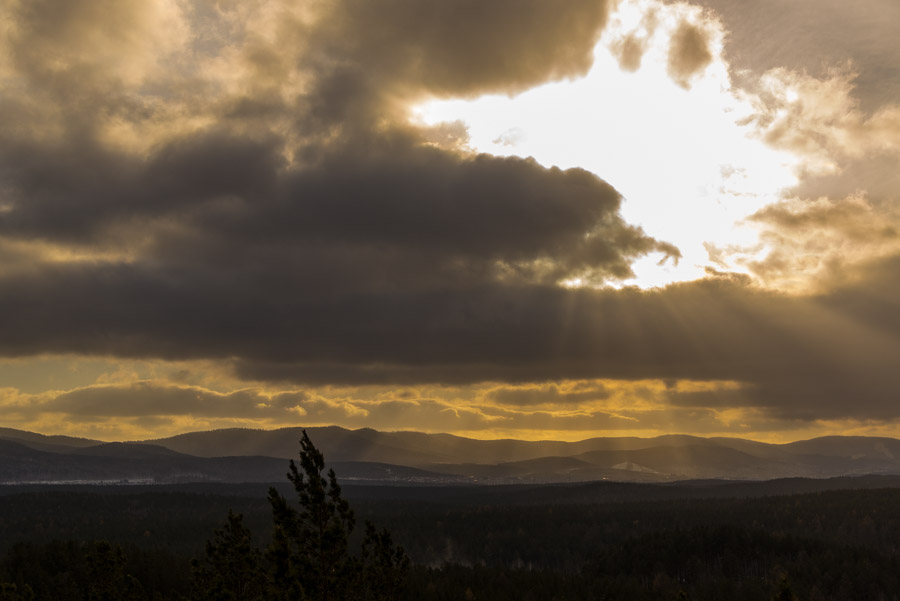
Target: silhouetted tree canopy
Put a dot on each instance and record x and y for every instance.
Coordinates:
(309, 557)
(232, 567)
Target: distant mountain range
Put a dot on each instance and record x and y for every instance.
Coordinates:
(365, 455)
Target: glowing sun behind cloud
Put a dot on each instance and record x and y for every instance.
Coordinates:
(657, 117)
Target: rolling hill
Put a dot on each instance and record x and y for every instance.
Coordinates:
(236, 455)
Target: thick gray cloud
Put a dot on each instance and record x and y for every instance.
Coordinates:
(798, 357)
(462, 46)
(145, 399)
(878, 175)
(689, 53)
(826, 241)
(371, 182)
(548, 394)
(291, 222)
(245, 231)
(630, 50)
(815, 36)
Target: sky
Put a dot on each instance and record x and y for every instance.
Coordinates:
(529, 219)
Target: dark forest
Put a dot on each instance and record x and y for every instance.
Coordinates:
(694, 541)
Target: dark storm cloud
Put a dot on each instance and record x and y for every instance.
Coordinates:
(221, 236)
(366, 56)
(363, 185)
(491, 208)
(796, 357)
(462, 46)
(873, 299)
(312, 235)
(393, 213)
(80, 191)
(355, 58)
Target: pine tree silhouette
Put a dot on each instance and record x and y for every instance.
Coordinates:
(308, 558)
(310, 546)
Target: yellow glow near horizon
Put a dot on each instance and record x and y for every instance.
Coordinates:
(688, 170)
(561, 410)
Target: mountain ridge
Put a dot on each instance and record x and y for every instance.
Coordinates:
(233, 454)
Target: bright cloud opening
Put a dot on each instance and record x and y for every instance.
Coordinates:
(681, 150)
